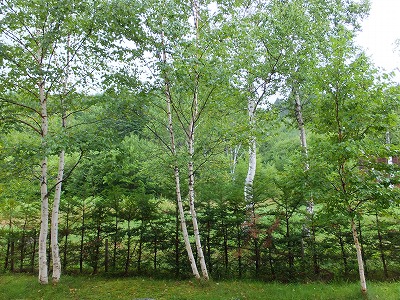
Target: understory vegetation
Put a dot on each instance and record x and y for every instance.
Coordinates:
(98, 287)
(117, 218)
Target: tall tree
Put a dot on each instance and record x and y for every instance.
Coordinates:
(173, 150)
(191, 136)
(352, 109)
(41, 41)
(184, 73)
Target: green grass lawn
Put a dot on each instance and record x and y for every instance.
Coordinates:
(97, 287)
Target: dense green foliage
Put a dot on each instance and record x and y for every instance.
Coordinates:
(118, 211)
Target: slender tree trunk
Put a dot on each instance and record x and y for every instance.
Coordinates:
(33, 251)
(82, 240)
(239, 246)
(22, 256)
(12, 256)
(390, 158)
(193, 210)
(289, 246)
(106, 256)
(303, 141)
(66, 239)
(54, 220)
(270, 259)
(183, 224)
(128, 251)
(234, 159)
(191, 134)
(381, 250)
(114, 261)
(208, 245)
(300, 124)
(139, 258)
(155, 250)
(44, 211)
(177, 252)
(344, 256)
(387, 138)
(49, 252)
(185, 234)
(251, 170)
(257, 256)
(314, 250)
(226, 250)
(9, 238)
(97, 249)
(362, 248)
(7, 257)
(359, 258)
(310, 202)
(60, 177)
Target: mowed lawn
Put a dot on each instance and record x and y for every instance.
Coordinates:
(97, 287)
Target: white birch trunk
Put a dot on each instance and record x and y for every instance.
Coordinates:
(191, 134)
(44, 212)
(300, 123)
(251, 171)
(359, 258)
(234, 160)
(176, 173)
(54, 220)
(387, 138)
(183, 224)
(178, 194)
(303, 141)
(390, 158)
(55, 251)
(196, 232)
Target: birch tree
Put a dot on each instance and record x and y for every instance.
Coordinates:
(177, 173)
(41, 41)
(262, 50)
(165, 65)
(55, 252)
(256, 54)
(189, 44)
(191, 138)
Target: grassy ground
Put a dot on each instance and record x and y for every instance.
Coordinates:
(77, 287)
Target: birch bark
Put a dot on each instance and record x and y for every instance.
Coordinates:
(55, 251)
(234, 159)
(183, 224)
(44, 211)
(359, 258)
(387, 138)
(251, 171)
(303, 141)
(300, 123)
(54, 220)
(310, 203)
(390, 158)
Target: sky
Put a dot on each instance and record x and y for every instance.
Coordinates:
(379, 33)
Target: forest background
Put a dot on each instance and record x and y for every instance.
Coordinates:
(258, 129)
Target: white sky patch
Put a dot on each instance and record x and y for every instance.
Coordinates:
(379, 34)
